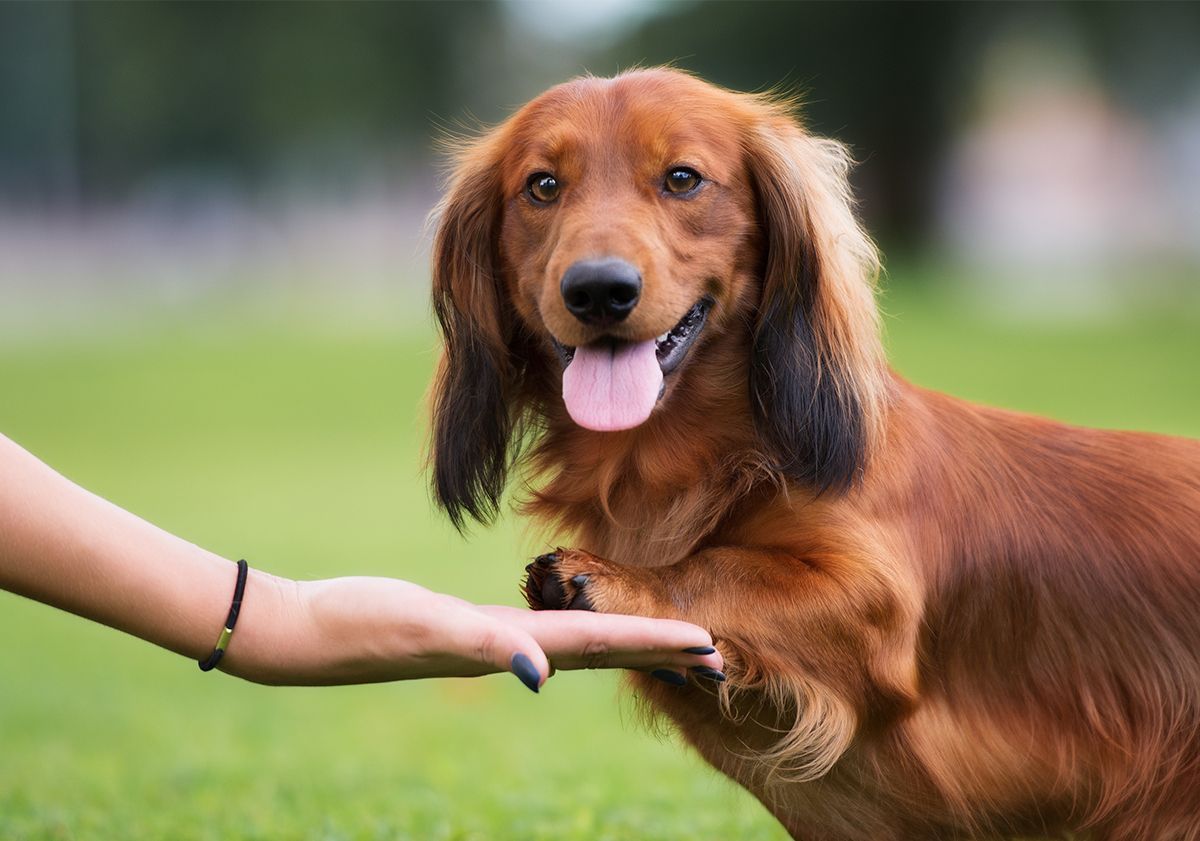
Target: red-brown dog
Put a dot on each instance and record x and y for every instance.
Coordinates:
(940, 620)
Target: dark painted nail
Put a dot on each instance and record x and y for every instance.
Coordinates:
(668, 676)
(579, 580)
(700, 649)
(523, 668)
(711, 674)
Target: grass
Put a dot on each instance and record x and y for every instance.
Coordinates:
(299, 449)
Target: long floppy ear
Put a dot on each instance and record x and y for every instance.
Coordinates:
(818, 381)
(473, 414)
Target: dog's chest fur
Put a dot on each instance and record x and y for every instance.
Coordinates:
(624, 516)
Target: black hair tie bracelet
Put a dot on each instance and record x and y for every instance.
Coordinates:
(218, 652)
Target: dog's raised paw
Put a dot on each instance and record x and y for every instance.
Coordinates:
(547, 586)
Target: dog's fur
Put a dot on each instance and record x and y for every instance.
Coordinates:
(940, 620)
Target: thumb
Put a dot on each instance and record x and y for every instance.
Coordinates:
(510, 649)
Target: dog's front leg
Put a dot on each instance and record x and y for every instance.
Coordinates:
(837, 622)
(817, 651)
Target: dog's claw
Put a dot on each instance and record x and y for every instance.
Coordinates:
(581, 601)
(547, 560)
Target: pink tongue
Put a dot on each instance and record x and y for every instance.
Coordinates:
(607, 389)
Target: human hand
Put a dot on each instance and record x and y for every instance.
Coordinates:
(363, 630)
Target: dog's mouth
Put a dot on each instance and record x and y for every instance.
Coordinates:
(614, 384)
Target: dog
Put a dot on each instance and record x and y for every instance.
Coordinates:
(939, 620)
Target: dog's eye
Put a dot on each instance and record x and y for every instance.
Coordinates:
(681, 180)
(542, 187)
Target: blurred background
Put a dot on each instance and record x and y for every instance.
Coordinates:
(164, 155)
(213, 310)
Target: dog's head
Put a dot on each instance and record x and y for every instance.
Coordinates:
(596, 245)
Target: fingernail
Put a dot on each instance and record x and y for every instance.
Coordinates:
(523, 668)
(711, 674)
(579, 580)
(700, 649)
(668, 676)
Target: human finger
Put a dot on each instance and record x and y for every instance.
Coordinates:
(584, 640)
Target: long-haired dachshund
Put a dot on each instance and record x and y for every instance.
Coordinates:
(940, 620)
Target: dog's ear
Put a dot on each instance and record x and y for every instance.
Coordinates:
(472, 406)
(818, 377)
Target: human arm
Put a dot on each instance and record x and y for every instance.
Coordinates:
(62, 545)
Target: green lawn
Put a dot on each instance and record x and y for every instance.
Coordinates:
(299, 448)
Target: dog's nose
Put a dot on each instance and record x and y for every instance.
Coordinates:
(601, 291)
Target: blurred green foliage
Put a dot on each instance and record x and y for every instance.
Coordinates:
(895, 80)
(300, 448)
(101, 98)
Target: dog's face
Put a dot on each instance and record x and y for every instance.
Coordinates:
(599, 243)
(628, 229)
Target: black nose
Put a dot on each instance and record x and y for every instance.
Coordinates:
(601, 291)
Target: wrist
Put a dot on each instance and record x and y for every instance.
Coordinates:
(259, 649)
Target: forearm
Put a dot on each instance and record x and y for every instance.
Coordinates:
(69, 548)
